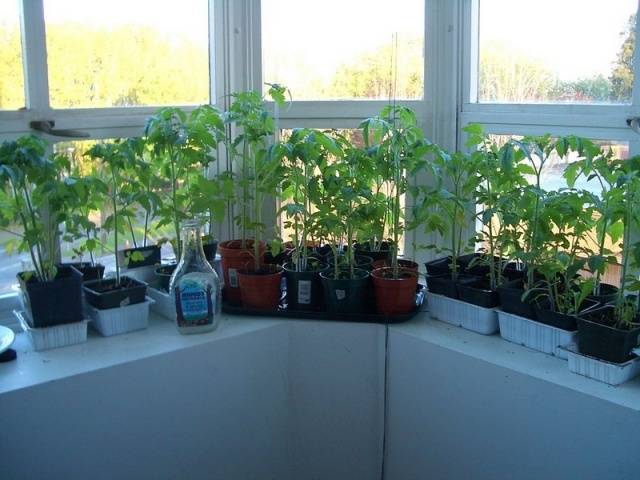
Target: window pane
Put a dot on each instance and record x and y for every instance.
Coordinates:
(556, 51)
(11, 74)
(334, 50)
(127, 53)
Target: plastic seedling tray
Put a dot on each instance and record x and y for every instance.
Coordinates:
(53, 337)
(368, 316)
(534, 335)
(114, 321)
(164, 305)
(601, 370)
(462, 314)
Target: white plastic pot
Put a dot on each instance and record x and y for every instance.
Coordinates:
(114, 321)
(164, 305)
(601, 370)
(53, 337)
(534, 335)
(462, 314)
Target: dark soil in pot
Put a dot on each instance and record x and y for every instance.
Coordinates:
(104, 294)
(260, 289)
(478, 293)
(384, 253)
(163, 274)
(344, 294)
(53, 303)
(210, 249)
(439, 266)
(556, 319)
(395, 296)
(89, 272)
(606, 294)
(511, 300)
(304, 289)
(598, 336)
(150, 253)
(474, 264)
(445, 285)
(402, 263)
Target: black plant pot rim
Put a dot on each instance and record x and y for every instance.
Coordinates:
(289, 267)
(579, 318)
(360, 274)
(172, 267)
(134, 283)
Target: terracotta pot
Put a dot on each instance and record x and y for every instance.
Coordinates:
(395, 296)
(234, 259)
(405, 264)
(261, 290)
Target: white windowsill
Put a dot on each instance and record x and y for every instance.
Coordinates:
(33, 368)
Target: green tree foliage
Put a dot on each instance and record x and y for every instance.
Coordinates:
(622, 76)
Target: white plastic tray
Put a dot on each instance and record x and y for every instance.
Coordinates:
(164, 303)
(114, 321)
(462, 314)
(53, 337)
(535, 335)
(601, 370)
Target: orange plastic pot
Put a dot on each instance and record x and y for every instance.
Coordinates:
(261, 290)
(234, 258)
(394, 296)
(406, 264)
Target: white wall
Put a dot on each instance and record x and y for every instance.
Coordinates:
(453, 416)
(336, 387)
(213, 411)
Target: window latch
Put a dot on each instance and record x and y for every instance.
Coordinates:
(47, 126)
(634, 124)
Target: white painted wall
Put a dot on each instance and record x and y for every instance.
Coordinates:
(212, 411)
(304, 401)
(454, 416)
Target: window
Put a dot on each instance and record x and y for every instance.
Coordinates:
(11, 73)
(339, 50)
(556, 51)
(123, 53)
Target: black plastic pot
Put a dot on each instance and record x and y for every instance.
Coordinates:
(345, 295)
(89, 272)
(477, 269)
(598, 337)
(512, 271)
(53, 303)
(304, 289)
(559, 320)
(163, 273)
(478, 293)
(364, 249)
(511, 299)
(445, 285)
(103, 294)
(439, 266)
(151, 256)
(608, 293)
(210, 250)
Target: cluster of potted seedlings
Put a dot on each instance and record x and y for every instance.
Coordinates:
(544, 253)
(542, 258)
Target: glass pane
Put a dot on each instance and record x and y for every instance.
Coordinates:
(122, 53)
(11, 73)
(337, 50)
(577, 51)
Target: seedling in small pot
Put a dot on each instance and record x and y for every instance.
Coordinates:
(35, 198)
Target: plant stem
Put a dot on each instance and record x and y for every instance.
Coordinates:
(174, 198)
(114, 195)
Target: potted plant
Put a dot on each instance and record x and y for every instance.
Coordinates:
(87, 197)
(340, 192)
(401, 143)
(258, 284)
(35, 200)
(611, 332)
(117, 304)
(307, 150)
(595, 164)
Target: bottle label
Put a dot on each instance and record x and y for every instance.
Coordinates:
(341, 294)
(304, 292)
(233, 278)
(194, 305)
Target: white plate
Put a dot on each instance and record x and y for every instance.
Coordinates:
(6, 338)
